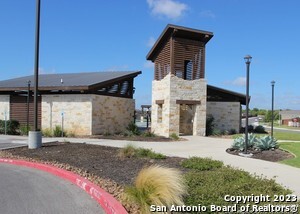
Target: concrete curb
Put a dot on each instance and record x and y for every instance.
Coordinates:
(106, 201)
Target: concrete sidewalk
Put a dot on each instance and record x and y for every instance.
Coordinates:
(209, 147)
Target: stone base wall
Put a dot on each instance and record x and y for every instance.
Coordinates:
(76, 109)
(87, 114)
(226, 115)
(4, 106)
(111, 114)
(169, 90)
(160, 113)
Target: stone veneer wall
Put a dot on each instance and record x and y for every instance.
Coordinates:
(227, 115)
(170, 89)
(111, 114)
(4, 106)
(87, 114)
(77, 111)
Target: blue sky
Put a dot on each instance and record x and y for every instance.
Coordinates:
(98, 35)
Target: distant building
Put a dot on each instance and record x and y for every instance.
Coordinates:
(181, 98)
(85, 103)
(288, 117)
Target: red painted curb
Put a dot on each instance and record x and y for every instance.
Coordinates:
(106, 201)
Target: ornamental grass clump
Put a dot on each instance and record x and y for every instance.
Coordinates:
(128, 151)
(156, 185)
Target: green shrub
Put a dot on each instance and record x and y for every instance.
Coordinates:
(133, 129)
(210, 187)
(12, 127)
(174, 136)
(209, 125)
(57, 131)
(266, 143)
(216, 132)
(260, 130)
(24, 130)
(201, 163)
(47, 132)
(232, 132)
(130, 151)
(148, 133)
(149, 153)
(156, 185)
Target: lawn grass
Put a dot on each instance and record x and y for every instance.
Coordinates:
(287, 136)
(293, 148)
(278, 135)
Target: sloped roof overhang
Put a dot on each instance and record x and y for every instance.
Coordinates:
(178, 31)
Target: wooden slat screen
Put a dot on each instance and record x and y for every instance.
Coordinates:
(18, 110)
(163, 62)
(189, 50)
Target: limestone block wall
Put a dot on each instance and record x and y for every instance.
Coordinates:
(4, 106)
(111, 114)
(160, 113)
(226, 115)
(188, 90)
(170, 89)
(77, 110)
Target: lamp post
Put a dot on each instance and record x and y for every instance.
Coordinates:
(247, 59)
(35, 136)
(28, 100)
(272, 121)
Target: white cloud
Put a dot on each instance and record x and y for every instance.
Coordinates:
(207, 14)
(240, 81)
(148, 64)
(151, 42)
(168, 8)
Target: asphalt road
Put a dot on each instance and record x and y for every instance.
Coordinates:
(30, 191)
(283, 130)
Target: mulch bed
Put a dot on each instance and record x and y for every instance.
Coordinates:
(98, 160)
(274, 155)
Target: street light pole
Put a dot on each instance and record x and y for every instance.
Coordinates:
(247, 59)
(36, 64)
(35, 136)
(28, 101)
(272, 121)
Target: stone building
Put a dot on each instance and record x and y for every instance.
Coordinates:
(84, 103)
(181, 98)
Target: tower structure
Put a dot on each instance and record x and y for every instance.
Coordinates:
(179, 88)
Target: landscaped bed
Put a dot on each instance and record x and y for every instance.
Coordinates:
(274, 155)
(207, 181)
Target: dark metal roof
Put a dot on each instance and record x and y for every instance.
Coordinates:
(178, 31)
(70, 80)
(223, 95)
